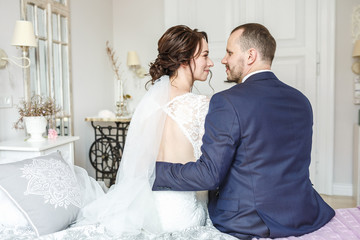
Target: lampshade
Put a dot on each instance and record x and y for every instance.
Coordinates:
(356, 52)
(24, 34)
(132, 59)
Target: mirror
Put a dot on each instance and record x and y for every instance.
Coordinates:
(49, 74)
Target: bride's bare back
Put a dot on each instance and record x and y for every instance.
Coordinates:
(180, 143)
(174, 146)
(183, 129)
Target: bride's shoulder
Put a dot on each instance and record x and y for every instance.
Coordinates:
(188, 101)
(198, 97)
(191, 100)
(189, 97)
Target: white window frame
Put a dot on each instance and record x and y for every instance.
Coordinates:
(62, 92)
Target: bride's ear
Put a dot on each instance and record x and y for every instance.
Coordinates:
(184, 65)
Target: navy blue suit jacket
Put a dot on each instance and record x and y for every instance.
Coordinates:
(255, 159)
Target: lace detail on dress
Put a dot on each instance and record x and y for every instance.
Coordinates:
(189, 111)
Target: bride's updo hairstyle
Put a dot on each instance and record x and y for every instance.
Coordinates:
(176, 46)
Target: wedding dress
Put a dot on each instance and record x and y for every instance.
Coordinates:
(130, 209)
(181, 210)
(130, 205)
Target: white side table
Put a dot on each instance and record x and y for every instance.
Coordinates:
(18, 149)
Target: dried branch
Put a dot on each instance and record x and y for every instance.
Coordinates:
(37, 106)
(113, 59)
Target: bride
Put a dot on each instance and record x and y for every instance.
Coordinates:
(167, 125)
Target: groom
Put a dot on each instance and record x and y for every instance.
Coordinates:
(256, 149)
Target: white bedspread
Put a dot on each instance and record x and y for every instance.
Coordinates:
(98, 232)
(344, 226)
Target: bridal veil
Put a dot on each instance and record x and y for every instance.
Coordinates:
(129, 205)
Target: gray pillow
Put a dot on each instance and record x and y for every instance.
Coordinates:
(44, 189)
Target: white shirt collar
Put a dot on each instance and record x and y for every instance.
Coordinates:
(250, 74)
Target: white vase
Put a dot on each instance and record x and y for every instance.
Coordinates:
(35, 126)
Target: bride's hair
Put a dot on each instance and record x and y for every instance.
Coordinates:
(176, 46)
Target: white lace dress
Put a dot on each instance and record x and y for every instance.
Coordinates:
(181, 210)
(130, 209)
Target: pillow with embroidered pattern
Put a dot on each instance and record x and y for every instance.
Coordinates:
(44, 189)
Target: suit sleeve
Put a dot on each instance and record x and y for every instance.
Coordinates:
(220, 141)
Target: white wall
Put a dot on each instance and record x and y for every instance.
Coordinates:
(11, 79)
(130, 27)
(138, 29)
(118, 22)
(346, 113)
(92, 77)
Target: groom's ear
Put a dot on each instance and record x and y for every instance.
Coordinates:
(252, 55)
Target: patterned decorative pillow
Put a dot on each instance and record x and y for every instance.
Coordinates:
(44, 189)
(10, 214)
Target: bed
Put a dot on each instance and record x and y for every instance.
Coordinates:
(40, 198)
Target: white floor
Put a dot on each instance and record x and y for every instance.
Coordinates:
(339, 201)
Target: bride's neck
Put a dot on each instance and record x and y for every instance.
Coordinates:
(180, 84)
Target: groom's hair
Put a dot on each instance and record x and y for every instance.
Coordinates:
(257, 36)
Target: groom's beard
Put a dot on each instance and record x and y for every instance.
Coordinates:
(234, 76)
(236, 72)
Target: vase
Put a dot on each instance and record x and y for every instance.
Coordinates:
(35, 126)
(121, 109)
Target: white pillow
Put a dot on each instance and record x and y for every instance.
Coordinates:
(90, 188)
(10, 214)
(44, 189)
